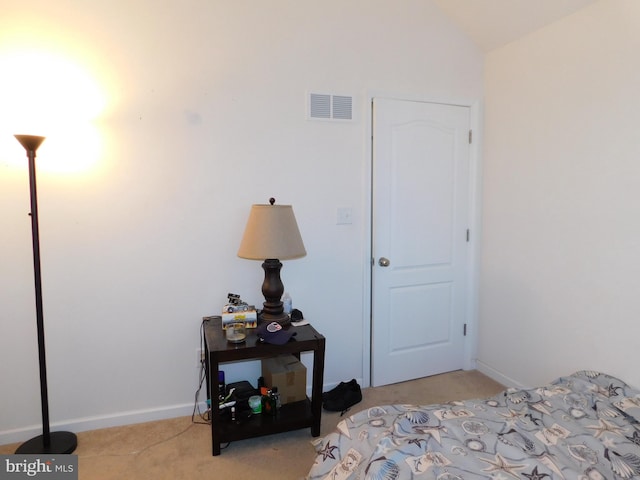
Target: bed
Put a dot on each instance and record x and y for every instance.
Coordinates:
(584, 426)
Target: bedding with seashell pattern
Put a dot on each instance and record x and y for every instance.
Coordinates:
(584, 426)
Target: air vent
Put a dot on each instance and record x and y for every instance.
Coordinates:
(342, 107)
(319, 106)
(330, 107)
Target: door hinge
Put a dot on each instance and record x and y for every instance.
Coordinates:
(468, 234)
(470, 136)
(465, 330)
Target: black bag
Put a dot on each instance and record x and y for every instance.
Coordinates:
(241, 392)
(342, 397)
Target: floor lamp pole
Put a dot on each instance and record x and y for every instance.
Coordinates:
(56, 442)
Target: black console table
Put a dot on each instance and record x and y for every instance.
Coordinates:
(292, 416)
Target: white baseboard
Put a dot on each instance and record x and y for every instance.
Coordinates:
(497, 375)
(77, 425)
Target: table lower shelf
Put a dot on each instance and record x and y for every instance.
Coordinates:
(291, 416)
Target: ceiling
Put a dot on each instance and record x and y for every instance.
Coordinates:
(494, 23)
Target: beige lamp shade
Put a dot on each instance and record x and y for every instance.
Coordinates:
(271, 232)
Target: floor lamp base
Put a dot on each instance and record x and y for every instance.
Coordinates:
(60, 442)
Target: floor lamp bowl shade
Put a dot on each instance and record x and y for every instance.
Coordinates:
(30, 142)
(271, 235)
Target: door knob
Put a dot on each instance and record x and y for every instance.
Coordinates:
(384, 262)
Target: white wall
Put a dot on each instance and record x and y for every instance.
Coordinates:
(561, 244)
(204, 115)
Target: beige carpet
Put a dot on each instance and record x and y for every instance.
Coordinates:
(180, 449)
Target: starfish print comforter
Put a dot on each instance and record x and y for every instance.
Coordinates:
(584, 426)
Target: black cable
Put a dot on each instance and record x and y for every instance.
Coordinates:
(206, 416)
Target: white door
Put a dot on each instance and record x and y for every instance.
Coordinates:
(420, 240)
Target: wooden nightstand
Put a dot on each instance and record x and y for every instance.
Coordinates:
(292, 416)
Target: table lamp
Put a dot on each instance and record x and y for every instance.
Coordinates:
(272, 235)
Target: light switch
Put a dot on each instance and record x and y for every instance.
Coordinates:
(345, 216)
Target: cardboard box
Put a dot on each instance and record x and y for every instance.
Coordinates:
(288, 374)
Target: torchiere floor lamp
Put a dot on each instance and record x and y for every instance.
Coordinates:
(48, 442)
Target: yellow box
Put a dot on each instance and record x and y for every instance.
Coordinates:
(288, 374)
(249, 318)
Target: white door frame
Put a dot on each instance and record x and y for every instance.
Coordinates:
(475, 198)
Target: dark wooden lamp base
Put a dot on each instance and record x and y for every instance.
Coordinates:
(272, 289)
